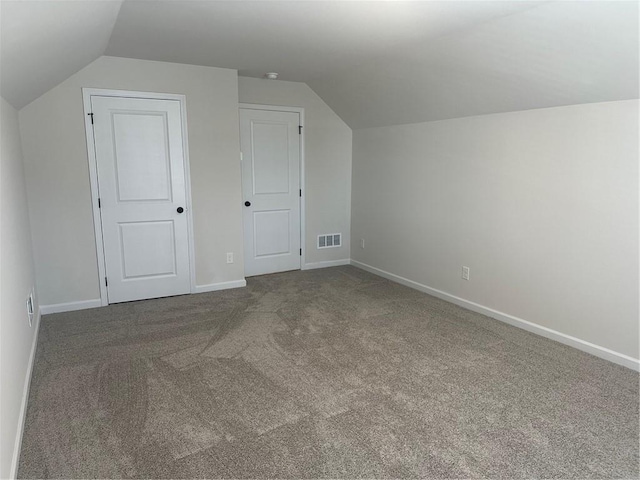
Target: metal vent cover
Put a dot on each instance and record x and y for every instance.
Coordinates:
(330, 240)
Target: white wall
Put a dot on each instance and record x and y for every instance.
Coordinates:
(56, 167)
(328, 151)
(16, 281)
(542, 205)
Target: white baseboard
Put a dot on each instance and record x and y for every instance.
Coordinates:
(25, 398)
(213, 287)
(330, 263)
(596, 350)
(70, 307)
(84, 304)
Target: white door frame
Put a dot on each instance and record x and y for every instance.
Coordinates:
(93, 176)
(303, 209)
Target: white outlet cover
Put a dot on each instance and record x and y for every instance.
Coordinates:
(465, 273)
(30, 308)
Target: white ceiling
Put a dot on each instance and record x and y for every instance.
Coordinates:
(42, 43)
(374, 63)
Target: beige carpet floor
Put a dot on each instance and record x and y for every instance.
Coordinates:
(327, 373)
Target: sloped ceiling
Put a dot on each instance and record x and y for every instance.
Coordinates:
(374, 63)
(42, 43)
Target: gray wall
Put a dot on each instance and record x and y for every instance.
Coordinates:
(327, 160)
(542, 205)
(16, 281)
(56, 167)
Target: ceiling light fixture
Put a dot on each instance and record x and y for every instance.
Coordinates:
(271, 75)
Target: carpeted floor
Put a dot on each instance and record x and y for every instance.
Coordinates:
(325, 373)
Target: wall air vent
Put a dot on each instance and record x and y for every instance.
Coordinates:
(330, 240)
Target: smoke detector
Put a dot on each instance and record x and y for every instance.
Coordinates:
(271, 75)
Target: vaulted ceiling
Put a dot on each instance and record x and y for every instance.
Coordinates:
(374, 63)
(42, 43)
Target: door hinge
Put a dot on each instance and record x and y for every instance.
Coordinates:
(91, 115)
(106, 282)
(99, 204)
(300, 252)
(299, 126)
(300, 192)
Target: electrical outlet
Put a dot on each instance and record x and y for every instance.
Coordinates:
(465, 273)
(230, 257)
(30, 308)
(362, 243)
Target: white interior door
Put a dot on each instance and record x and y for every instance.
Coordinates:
(141, 181)
(270, 143)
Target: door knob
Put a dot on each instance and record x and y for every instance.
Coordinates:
(180, 210)
(247, 204)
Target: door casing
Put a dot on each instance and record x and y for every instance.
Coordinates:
(303, 209)
(87, 93)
